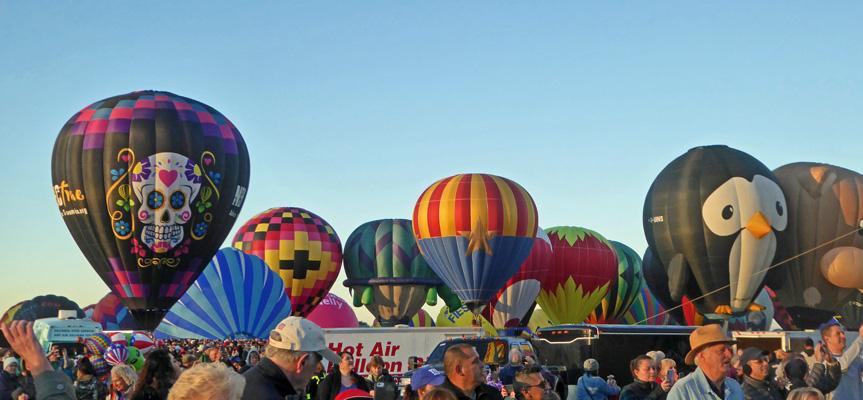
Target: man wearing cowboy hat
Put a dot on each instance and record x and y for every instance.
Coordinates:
(711, 352)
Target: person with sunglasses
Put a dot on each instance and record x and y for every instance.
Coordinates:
(757, 384)
(530, 385)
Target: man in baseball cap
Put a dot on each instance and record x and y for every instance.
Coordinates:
(294, 350)
(711, 352)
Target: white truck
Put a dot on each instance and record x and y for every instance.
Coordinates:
(395, 345)
(64, 330)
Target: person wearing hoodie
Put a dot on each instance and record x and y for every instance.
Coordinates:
(87, 386)
(516, 364)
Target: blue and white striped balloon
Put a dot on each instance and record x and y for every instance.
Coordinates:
(237, 296)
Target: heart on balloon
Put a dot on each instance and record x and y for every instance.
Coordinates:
(208, 161)
(125, 157)
(168, 177)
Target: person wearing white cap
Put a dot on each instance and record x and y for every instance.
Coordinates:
(8, 378)
(592, 387)
(711, 352)
(293, 352)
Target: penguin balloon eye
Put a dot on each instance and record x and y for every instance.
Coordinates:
(727, 212)
(779, 209)
(860, 227)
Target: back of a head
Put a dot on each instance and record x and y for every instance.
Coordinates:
(455, 355)
(209, 381)
(439, 393)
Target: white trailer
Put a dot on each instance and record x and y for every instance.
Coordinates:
(789, 341)
(395, 345)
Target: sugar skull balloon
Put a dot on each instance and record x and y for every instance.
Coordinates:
(149, 185)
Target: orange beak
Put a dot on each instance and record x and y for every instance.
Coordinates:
(758, 225)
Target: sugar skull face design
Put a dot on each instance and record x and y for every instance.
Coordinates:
(165, 185)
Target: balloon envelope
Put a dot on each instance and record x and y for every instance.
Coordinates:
(237, 296)
(149, 185)
(584, 265)
(475, 230)
(387, 272)
(301, 247)
(512, 303)
(10, 313)
(711, 218)
(623, 291)
(646, 310)
(334, 312)
(824, 270)
(462, 317)
(47, 306)
(113, 315)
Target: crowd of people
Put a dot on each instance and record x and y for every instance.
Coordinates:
(289, 366)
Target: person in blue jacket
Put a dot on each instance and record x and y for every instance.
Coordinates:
(592, 387)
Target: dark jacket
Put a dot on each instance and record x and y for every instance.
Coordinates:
(89, 387)
(483, 391)
(266, 381)
(383, 377)
(761, 390)
(330, 387)
(507, 373)
(639, 390)
(821, 378)
(8, 384)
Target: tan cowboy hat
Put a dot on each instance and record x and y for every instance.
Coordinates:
(706, 336)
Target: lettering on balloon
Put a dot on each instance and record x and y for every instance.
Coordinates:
(658, 218)
(64, 194)
(239, 196)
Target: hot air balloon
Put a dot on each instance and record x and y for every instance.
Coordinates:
(623, 290)
(584, 265)
(386, 271)
(334, 312)
(47, 306)
(646, 310)
(538, 319)
(421, 320)
(755, 320)
(518, 297)
(113, 315)
(475, 231)
(824, 270)
(149, 184)
(463, 317)
(711, 218)
(237, 296)
(301, 247)
(10, 313)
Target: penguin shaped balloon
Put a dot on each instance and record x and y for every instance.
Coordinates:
(712, 217)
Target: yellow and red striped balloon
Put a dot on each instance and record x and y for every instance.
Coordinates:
(475, 230)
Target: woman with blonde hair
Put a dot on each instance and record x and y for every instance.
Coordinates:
(807, 393)
(209, 381)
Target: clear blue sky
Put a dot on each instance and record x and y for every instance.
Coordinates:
(351, 109)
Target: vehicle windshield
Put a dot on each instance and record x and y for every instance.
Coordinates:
(490, 351)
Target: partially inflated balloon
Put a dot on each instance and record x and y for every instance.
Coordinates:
(475, 230)
(623, 290)
(387, 272)
(825, 257)
(238, 296)
(512, 303)
(47, 306)
(149, 185)
(646, 310)
(334, 312)
(136, 359)
(711, 217)
(538, 319)
(113, 315)
(463, 317)
(117, 354)
(301, 247)
(143, 342)
(8, 316)
(584, 265)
